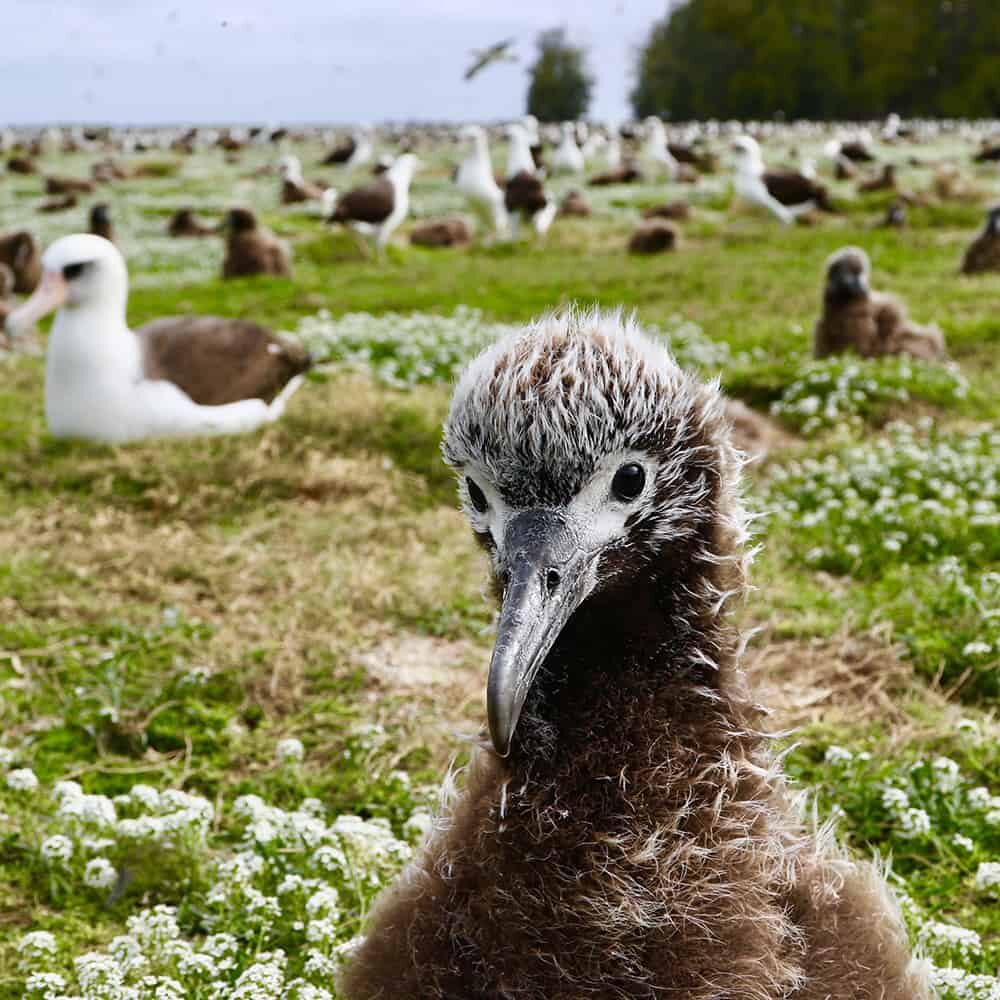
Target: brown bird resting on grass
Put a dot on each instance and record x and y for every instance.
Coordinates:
(68, 185)
(653, 236)
(627, 831)
(843, 169)
(218, 361)
(791, 187)
(988, 153)
(294, 187)
(676, 210)
(100, 221)
(20, 252)
(871, 324)
(627, 173)
(895, 215)
(885, 181)
(62, 203)
(575, 204)
(857, 151)
(106, 171)
(22, 165)
(450, 232)
(251, 248)
(983, 253)
(185, 223)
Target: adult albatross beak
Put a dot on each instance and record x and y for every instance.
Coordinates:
(548, 575)
(48, 296)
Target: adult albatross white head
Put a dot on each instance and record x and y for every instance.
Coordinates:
(96, 383)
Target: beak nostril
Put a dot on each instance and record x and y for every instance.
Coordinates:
(552, 579)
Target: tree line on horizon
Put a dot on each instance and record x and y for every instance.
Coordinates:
(839, 59)
(842, 59)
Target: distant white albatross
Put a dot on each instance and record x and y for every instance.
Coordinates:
(98, 382)
(474, 178)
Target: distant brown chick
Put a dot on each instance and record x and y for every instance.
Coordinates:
(676, 210)
(251, 248)
(22, 165)
(20, 252)
(185, 223)
(450, 232)
(983, 253)
(100, 221)
(627, 173)
(871, 324)
(575, 204)
(68, 185)
(895, 215)
(885, 181)
(653, 236)
(61, 203)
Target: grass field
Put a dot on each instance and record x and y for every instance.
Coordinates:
(291, 628)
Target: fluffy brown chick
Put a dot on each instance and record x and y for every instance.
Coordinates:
(870, 323)
(626, 831)
(252, 249)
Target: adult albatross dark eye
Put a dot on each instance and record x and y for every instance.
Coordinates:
(477, 496)
(628, 482)
(71, 271)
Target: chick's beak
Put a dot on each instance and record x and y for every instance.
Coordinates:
(548, 575)
(48, 296)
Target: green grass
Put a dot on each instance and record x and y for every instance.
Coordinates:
(169, 611)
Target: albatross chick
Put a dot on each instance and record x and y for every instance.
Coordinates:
(626, 831)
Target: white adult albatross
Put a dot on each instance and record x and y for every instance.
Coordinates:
(96, 382)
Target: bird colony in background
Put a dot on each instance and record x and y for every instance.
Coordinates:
(625, 827)
(506, 181)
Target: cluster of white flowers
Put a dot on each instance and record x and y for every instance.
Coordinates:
(23, 779)
(988, 877)
(403, 350)
(930, 496)
(957, 984)
(841, 391)
(290, 751)
(296, 882)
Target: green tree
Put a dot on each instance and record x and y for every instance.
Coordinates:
(561, 87)
(838, 59)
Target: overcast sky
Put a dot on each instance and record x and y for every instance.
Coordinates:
(295, 60)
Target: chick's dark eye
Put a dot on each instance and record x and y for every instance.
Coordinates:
(477, 496)
(628, 482)
(71, 271)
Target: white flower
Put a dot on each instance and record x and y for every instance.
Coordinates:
(99, 975)
(290, 750)
(45, 986)
(57, 848)
(939, 936)
(914, 823)
(977, 648)
(837, 755)
(988, 876)
(418, 825)
(100, 874)
(36, 945)
(323, 903)
(895, 800)
(7, 756)
(963, 843)
(946, 774)
(22, 780)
